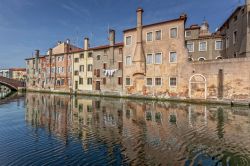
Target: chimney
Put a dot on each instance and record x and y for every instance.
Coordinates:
(139, 57)
(50, 61)
(68, 41)
(37, 52)
(86, 43)
(111, 37)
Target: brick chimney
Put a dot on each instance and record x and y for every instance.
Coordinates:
(111, 37)
(139, 57)
(86, 43)
(37, 53)
(50, 61)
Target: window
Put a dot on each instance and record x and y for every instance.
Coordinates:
(120, 50)
(97, 72)
(80, 81)
(158, 58)
(62, 69)
(76, 60)
(173, 81)
(81, 56)
(90, 55)
(235, 18)
(105, 52)
(104, 65)
(157, 81)
(187, 33)
(89, 67)
(81, 68)
(128, 60)
(149, 81)
(173, 57)
(89, 81)
(128, 40)
(158, 35)
(98, 57)
(201, 59)
(120, 65)
(203, 46)
(119, 80)
(128, 81)
(76, 73)
(149, 58)
(227, 42)
(218, 45)
(235, 37)
(104, 81)
(150, 36)
(190, 46)
(173, 33)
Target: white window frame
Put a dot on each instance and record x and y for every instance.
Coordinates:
(156, 35)
(200, 46)
(219, 57)
(147, 81)
(172, 86)
(176, 32)
(126, 81)
(126, 40)
(186, 33)
(216, 45)
(155, 81)
(170, 55)
(147, 36)
(130, 60)
(154, 58)
(192, 44)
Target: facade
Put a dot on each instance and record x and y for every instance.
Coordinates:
(202, 44)
(18, 73)
(5, 73)
(108, 65)
(51, 71)
(83, 69)
(236, 33)
(162, 60)
(152, 54)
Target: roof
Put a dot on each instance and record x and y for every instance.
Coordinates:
(230, 17)
(17, 69)
(106, 46)
(80, 50)
(193, 27)
(181, 18)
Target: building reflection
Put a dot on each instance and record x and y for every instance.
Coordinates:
(145, 131)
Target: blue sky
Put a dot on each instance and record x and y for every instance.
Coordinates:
(26, 25)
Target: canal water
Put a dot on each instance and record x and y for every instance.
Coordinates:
(48, 129)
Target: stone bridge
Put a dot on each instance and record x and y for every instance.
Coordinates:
(12, 84)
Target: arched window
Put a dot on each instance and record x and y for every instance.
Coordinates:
(219, 57)
(98, 57)
(201, 59)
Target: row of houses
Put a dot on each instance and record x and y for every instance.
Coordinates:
(163, 59)
(14, 73)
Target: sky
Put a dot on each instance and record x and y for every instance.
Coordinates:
(27, 25)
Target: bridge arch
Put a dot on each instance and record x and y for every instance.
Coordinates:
(11, 83)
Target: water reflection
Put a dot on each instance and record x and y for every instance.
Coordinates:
(116, 131)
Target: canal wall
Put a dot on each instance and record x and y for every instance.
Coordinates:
(143, 97)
